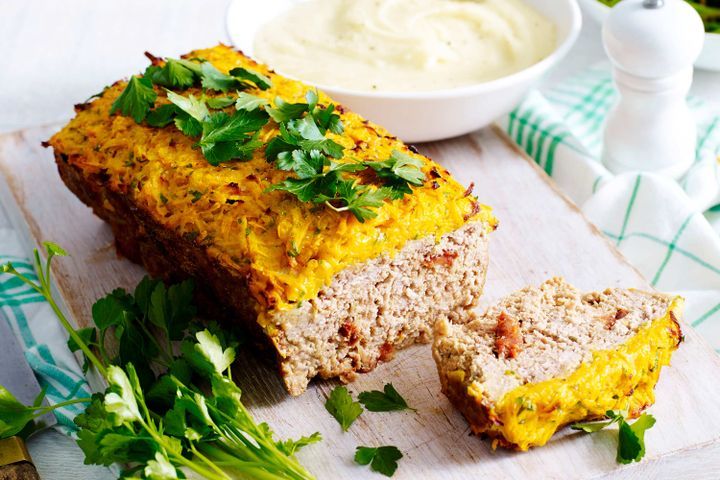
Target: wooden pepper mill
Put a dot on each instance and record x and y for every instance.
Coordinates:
(652, 45)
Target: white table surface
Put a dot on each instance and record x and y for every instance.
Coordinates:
(57, 53)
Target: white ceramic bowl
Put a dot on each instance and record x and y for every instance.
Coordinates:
(709, 58)
(431, 115)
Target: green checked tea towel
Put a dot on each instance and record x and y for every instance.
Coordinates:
(39, 332)
(669, 230)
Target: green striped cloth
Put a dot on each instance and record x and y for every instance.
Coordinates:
(669, 230)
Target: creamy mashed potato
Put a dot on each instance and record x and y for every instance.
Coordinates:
(405, 45)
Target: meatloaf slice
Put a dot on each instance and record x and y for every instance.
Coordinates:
(547, 356)
(331, 293)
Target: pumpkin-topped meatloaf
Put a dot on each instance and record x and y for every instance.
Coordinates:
(547, 356)
(313, 226)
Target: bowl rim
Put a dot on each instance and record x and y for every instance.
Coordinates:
(526, 73)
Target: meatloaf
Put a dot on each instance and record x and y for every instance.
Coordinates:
(547, 356)
(332, 295)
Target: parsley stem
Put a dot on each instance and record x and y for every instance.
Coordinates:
(149, 426)
(256, 469)
(44, 289)
(101, 346)
(337, 209)
(206, 460)
(26, 280)
(238, 439)
(49, 408)
(73, 334)
(197, 468)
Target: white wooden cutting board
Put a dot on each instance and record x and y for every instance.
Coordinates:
(541, 234)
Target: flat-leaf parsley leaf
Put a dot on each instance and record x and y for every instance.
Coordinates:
(247, 101)
(399, 172)
(136, 100)
(341, 406)
(194, 107)
(174, 74)
(631, 437)
(386, 401)
(381, 459)
(261, 81)
(225, 137)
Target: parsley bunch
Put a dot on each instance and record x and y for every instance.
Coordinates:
(188, 418)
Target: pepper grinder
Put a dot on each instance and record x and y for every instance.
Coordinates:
(652, 45)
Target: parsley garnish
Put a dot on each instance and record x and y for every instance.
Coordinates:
(174, 74)
(320, 180)
(324, 118)
(192, 65)
(305, 164)
(244, 75)
(384, 459)
(399, 172)
(136, 100)
(386, 401)
(247, 101)
(302, 145)
(301, 135)
(224, 137)
(328, 186)
(285, 111)
(631, 437)
(214, 79)
(162, 115)
(222, 127)
(227, 137)
(188, 125)
(221, 102)
(308, 136)
(303, 148)
(139, 96)
(341, 406)
(239, 78)
(194, 107)
(358, 199)
(190, 113)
